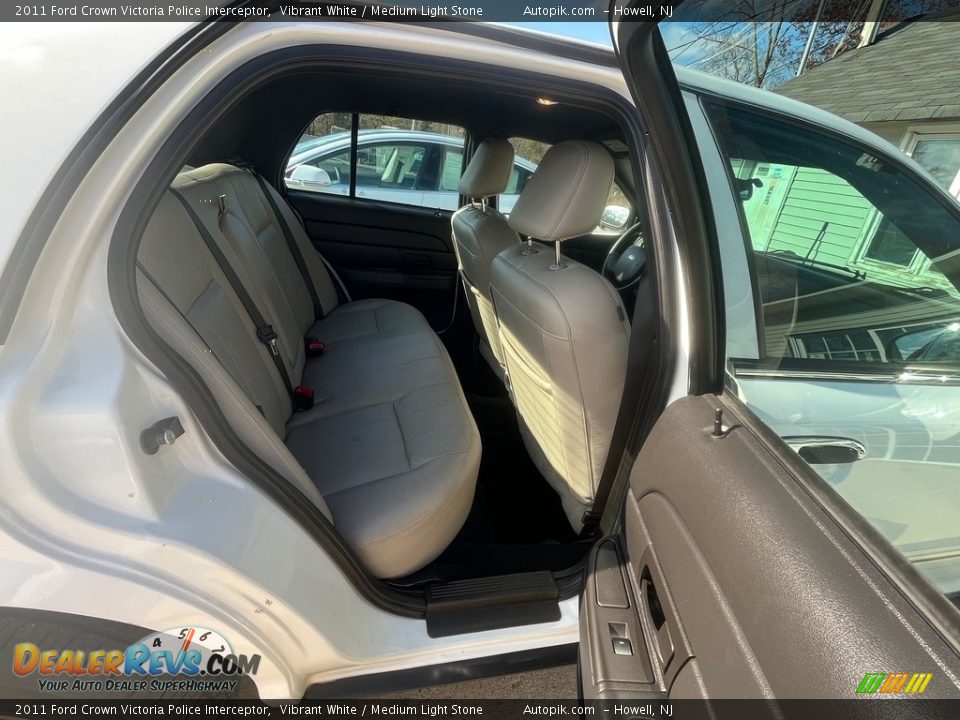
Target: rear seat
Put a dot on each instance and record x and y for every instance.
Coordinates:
(389, 444)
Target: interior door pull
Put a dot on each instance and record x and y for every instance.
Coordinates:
(825, 449)
(415, 259)
(661, 628)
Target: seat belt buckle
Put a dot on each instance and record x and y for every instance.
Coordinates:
(314, 347)
(591, 519)
(268, 336)
(302, 398)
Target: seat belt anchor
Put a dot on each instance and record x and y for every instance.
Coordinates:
(302, 398)
(591, 519)
(314, 347)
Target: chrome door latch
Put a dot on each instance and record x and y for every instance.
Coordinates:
(163, 432)
(826, 449)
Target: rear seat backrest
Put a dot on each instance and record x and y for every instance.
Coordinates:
(244, 217)
(174, 258)
(179, 281)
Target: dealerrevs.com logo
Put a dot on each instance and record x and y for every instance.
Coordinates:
(188, 659)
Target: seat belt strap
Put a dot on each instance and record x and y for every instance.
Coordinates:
(638, 359)
(294, 247)
(343, 295)
(265, 332)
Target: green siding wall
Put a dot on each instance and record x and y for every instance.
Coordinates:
(788, 212)
(817, 197)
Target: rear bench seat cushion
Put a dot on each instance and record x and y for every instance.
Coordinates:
(397, 475)
(390, 444)
(361, 318)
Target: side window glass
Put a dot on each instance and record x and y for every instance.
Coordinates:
(394, 166)
(527, 155)
(518, 180)
(450, 168)
(398, 160)
(855, 267)
(320, 161)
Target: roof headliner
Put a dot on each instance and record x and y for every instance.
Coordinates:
(263, 127)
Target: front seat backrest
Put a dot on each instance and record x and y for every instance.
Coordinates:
(563, 330)
(479, 233)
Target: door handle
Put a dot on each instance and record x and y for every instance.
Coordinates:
(826, 449)
(416, 259)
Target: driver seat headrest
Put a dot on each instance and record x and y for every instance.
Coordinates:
(488, 171)
(565, 196)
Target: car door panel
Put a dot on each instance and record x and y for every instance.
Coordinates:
(747, 574)
(391, 195)
(758, 591)
(385, 250)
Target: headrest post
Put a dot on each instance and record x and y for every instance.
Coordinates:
(529, 250)
(557, 265)
(483, 205)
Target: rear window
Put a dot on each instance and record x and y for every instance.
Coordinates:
(397, 160)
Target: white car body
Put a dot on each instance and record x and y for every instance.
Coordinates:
(81, 510)
(88, 524)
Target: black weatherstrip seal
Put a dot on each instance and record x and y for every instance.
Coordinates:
(546, 44)
(146, 196)
(650, 75)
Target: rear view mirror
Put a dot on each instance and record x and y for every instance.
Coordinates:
(310, 175)
(614, 217)
(745, 187)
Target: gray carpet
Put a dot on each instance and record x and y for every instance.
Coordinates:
(552, 683)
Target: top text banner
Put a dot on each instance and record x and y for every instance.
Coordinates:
(514, 11)
(358, 10)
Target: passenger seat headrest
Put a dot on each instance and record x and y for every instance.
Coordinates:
(489, 169)
(566, 195)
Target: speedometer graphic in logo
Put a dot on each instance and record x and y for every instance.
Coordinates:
(189, 650)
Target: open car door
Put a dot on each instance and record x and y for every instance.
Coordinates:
(735, 571)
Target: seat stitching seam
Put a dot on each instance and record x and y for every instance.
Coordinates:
(532, 321)
(403, 438)
(573, 188)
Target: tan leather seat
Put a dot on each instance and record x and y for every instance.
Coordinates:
(563, 329)
(389, 451)
(479, 233)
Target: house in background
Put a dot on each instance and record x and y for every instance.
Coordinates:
(905, 86)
